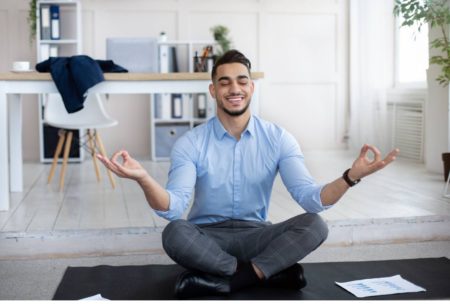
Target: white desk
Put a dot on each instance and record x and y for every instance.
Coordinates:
(13, 85)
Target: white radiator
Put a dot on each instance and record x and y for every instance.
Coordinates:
(405, 115)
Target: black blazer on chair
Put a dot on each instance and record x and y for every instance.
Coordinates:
(73, 76)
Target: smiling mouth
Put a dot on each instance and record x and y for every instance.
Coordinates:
(235, 99)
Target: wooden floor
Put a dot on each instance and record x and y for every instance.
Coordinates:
(403, 190)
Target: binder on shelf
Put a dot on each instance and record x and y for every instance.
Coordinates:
(201, 106)
(163, 106)
(168, 62)
(177, 106)
(55, 30)
(173, 66)
(164, 59)
(45, 22)
(168, 105)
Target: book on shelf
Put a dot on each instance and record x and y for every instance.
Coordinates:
(54, 15)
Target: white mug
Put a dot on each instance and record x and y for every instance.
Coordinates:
(21, 66)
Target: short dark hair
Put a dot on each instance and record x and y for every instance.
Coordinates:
(231, 56)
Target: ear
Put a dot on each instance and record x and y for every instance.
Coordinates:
(212, 90)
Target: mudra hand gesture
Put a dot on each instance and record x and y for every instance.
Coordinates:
(364, 166)
(130, 168)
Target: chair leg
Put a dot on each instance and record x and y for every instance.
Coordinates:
(66, 157)
(103, 152)
(446, 194)
(62, 137)
(94, 158)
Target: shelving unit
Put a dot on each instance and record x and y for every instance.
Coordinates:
(164, 128)
(68, 44)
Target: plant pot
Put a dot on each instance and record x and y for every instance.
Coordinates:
(446, 160)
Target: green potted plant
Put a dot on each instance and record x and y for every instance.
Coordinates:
(220, 34)
(435, 14)
(32, 19)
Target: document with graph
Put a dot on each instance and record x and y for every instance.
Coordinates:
(379, 286)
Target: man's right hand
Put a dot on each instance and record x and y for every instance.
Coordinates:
(130, 168)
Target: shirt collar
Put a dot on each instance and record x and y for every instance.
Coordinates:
(220, 131)
(250, 126)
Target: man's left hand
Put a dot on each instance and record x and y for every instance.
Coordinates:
(364, 166)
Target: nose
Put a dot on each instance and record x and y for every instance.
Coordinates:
(235, 88)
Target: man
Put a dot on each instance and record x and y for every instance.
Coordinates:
(231, 161)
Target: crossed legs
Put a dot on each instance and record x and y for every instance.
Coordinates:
(217, 248)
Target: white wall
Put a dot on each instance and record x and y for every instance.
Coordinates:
(15, 46)
(301, 45)
(436, 115)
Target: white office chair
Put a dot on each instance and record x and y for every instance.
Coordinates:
(92, 117)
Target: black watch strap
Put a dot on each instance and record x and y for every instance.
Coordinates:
(349, 182)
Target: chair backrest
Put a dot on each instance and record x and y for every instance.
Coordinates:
(93, 115)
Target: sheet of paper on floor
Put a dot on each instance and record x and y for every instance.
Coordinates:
(97, 297)
(379, 286)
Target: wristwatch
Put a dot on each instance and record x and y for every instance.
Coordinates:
(347, 179)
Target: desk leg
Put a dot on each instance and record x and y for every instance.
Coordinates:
(15, 143)
(4, 166)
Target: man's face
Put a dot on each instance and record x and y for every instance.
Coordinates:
(232, 88)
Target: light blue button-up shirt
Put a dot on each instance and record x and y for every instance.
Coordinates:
(232, 178)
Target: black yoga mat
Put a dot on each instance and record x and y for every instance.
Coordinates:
(156, 282)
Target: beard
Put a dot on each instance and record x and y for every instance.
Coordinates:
(236, 112)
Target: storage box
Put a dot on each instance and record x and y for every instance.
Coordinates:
(166, 135)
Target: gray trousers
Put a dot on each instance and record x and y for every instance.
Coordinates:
(216, 248)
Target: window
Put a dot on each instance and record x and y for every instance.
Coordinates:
(411, 55)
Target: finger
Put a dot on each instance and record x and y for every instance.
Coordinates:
(124, 171)
(376, 153)
(386, 161)
(391, 156)
(108, 164)
(103, 159)
(115, 156)
(364, 150)
(125, 155)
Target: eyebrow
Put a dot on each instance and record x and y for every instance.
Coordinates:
(228, 78)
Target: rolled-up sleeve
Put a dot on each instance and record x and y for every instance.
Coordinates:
(296, 177)
(182, 177)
